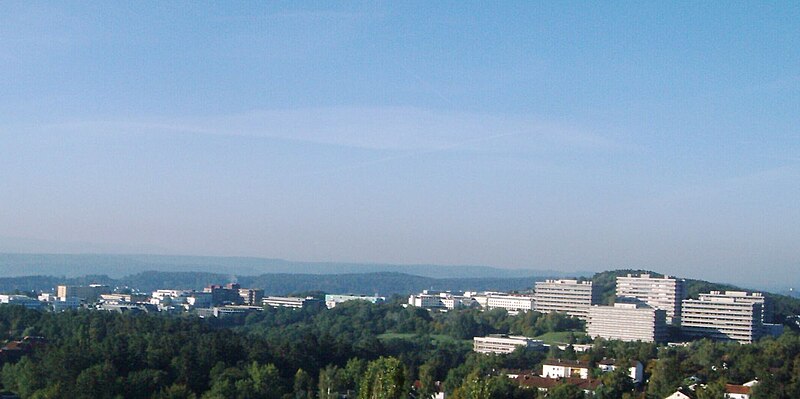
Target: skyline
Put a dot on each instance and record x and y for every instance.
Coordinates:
(539, 136)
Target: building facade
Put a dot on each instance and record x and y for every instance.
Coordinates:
(664, 293)
(511, 303)
(627, 322)
(498, 343)
(562, 368)
(572, 297)
(331, 300)
(88, 293)
(725, 318)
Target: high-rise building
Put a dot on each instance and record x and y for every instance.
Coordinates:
(627, 322)
(572, 297)
(665, 293)
(727, 318)
(88, 293)
(743, 296)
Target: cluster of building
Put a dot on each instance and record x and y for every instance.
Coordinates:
(646, 306)
(575, 372)
(644, 309)
(212, 301)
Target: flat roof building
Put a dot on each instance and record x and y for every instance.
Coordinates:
(664, 293)
(88, 293)
(501, 343)
(511, 303)
(331, 300)
(627, 322)
(722, 318)
(572, 297)
(291, 302)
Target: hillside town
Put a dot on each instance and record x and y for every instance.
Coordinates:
(645, 309)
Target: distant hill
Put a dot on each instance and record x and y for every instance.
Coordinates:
(383, 283)
(116, 266)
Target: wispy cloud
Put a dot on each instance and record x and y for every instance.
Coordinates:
(378, 128)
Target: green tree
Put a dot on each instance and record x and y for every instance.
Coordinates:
(384, 379)
(615, 384)
(665, 379)
(565, 391)
(303, 385)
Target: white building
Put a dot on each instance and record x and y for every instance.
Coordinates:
(290, 302)
(740, 391)
(722, 318)
(627, 322)
(635, 369)
(512, 303)
(572, 297)
(744, 296)
(440, 300)
(562, 368)
(332, 300)
(500, 343)
(664, 293)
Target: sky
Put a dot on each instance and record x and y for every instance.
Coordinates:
(543, 135)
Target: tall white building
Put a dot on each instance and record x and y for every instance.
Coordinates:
(743, 296)
(572, 297)
(727, 318)
(664, 293)
(627, 322)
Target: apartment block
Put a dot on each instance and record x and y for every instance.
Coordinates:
(743, 296)
(628, 322)
(499, 343)
(511, 303)
(572, 297)
(665, 293)
(88, 293)
(722, 318)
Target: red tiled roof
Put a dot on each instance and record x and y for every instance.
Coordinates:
(741, 389)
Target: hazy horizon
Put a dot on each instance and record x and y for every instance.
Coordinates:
(516, 135)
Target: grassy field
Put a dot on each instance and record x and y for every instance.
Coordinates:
(436, 338)
(558, 337)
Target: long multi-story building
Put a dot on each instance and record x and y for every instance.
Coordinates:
(511, 303)
(331, 300)
(664, 293)
(292, 302)
(743, 296)
(441, 300)
(627, 322)
(727, 318)
(572, 297)
(500, 343)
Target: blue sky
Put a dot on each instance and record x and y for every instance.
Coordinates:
(550, 135)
